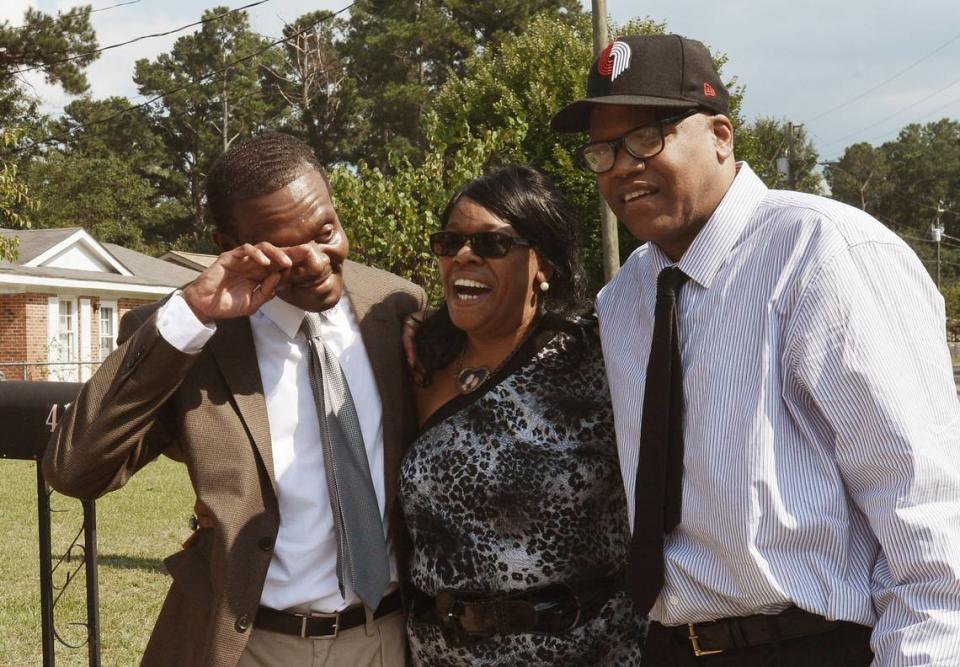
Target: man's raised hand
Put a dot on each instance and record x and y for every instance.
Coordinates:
(238, 282)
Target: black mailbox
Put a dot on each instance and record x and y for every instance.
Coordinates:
(29, 412)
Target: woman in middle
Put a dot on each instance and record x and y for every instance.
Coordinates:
(512, 491)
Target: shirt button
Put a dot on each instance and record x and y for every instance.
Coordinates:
(265, 543)
(243, 623)
(674, 599)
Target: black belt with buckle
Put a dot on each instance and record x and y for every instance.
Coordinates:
(465, 617)
(716, 637)
(316, 625)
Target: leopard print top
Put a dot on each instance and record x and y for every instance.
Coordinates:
(517, 485)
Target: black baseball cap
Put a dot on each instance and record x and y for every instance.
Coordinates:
(663, 71)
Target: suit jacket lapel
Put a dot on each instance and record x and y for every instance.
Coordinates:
(381, 338)
(234, 350)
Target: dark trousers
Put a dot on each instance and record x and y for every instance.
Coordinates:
(847, 646)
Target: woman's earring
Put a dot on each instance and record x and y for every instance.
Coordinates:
(544, 286)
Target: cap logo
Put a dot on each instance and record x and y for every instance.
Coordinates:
(614, 60)
(708, 90)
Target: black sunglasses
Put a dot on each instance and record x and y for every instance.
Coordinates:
(642, 143)
(483, 244)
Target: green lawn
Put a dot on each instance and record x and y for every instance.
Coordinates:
(137, 527)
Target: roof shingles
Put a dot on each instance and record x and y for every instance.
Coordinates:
(146, 270)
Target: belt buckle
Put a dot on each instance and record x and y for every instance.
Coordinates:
(303, 625)
(449, 609)
(544, 611)
(695, 642)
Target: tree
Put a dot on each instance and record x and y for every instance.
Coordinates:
(908, 184)
(400, 52)
(924, 177)
(130, 134)
(128, 147)
(15, 202)
(525, 81)
(313, 82)
(768, 139)
(61, 46)
(860, 178)
(388, 216)
(924, 164)
(101, 194)
(951, 297)
(219, 66)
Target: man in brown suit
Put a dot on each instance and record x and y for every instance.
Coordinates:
(217, 377)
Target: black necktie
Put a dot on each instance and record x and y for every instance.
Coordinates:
(659, 488)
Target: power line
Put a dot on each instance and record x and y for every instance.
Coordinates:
(119, 4)
(886, 81)
(936, 110)
(904, 235)
(87, 54)
(933, 262)
(922, 205)
(946, 263)
(903, 232)
(185, 86)
(952, 103)
(894, 114)
(912, 238)
(835, 165)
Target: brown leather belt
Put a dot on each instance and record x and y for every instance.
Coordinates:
(316, 625)
(734, 633)
(556, 608)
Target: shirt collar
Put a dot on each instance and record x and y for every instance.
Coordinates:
(288, 318)
(711, 247)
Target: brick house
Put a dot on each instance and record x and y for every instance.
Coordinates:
(62, 299)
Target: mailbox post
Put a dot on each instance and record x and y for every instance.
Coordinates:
(29, 413)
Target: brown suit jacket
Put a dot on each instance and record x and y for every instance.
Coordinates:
(208, 411)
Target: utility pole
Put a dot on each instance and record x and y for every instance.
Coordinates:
(936, 231)
(791, 171)
(608, 223)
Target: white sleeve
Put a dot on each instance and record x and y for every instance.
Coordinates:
(181, 328)
(874, 358)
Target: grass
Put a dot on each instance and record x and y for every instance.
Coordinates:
(137, 527)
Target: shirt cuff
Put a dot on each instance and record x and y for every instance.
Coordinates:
(181, 328)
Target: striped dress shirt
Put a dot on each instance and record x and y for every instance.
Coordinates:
(821, 423)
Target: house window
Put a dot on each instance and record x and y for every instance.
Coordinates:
(64, 339)
(108, 329)
(67, 331)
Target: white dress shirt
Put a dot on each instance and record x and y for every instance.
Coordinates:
(303, 570)
(821, 424)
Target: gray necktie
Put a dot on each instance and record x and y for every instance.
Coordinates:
(361, 547)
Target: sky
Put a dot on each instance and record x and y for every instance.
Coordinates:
(848, 70)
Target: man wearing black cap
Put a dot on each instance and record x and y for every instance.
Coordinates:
(785, 411)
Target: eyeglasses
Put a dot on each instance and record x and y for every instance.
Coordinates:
(641, 142)
(483, 244)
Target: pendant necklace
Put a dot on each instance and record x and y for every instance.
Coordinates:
(470, 379)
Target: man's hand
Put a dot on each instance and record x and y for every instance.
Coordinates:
(410, 327)
(243, 279)
(202, 519)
